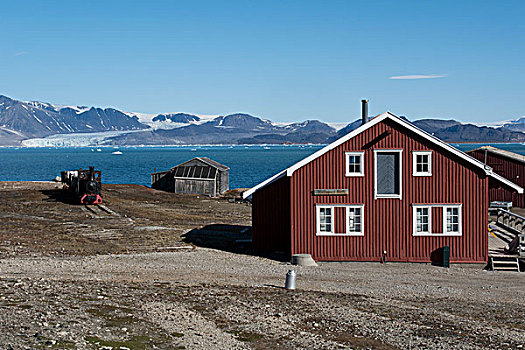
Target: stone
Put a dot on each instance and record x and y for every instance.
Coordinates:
(303, 260)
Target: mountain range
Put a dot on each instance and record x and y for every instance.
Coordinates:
(43, 124)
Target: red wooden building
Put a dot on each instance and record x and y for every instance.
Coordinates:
(507, 164)
(388, 188)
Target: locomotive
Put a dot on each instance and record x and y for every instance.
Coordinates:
(84, 184)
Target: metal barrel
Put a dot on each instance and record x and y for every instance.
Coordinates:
(290, 280)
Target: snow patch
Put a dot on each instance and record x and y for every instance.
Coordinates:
(147, 119)
(34, 116)
(336, 125)
(498, 124)
(77, 109)
(12, 131)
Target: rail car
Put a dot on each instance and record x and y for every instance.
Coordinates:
(84, 184)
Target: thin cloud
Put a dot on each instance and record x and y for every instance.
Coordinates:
(21, 53)
(418, 76)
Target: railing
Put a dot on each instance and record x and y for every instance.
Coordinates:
(511, 221)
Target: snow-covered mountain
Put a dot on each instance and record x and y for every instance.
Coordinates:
(37, 123)
(171, 120)
(231, 129)
(39, 119)
(43, 124)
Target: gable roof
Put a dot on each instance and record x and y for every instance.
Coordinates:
(204, 160)
(208, 161)
(376, 120)
(501, 152)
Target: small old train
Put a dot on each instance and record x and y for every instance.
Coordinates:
(84, 184)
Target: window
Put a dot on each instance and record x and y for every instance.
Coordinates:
(422, 163)
(324, 216)
(388, 173)
(448, 218)
(422, 224)
(352, 215)
(354, 163)
(452, 220)
(354, 220)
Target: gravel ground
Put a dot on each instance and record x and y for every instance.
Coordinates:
(205, 298)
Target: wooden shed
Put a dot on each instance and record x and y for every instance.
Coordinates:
(507, 164)
(387, 189)
(199, 175)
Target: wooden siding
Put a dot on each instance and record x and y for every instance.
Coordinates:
(437, 220)
(193, 177)
(388, 222)
(162, 181)
(508, 168)
(223, 184)
(271, 218)
(195, 186)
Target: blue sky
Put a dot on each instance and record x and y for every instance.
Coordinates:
(282, 60)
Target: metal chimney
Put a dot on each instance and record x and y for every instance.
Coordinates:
(364, 111)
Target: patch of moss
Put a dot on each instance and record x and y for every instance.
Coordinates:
(134, 343)
(58, 344)
(115, 316)
(246, 336)
(119, 321)
(87, 299)
(64, 344)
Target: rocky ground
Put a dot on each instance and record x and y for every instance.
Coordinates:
(41, 218)
(80, 291)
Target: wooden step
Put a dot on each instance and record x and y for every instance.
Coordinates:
(505, 263)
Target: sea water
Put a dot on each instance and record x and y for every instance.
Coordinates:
(249, 165)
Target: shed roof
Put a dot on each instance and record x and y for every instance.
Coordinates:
(379, 118)
(207, 161)
(501, 152)
(218, 166)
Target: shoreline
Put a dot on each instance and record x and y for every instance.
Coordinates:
(226, 145)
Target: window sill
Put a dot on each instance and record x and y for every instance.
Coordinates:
(451, 234)
(358, 234)
(355, 174)
(388, 196)
(421, 174)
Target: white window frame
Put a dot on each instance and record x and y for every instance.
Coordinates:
(318, 221)
(347, 222)
(394, 196)
(347, 214)
(414, 220)
(414, 163)
(362, 156)
(445, 233)
(460, 220)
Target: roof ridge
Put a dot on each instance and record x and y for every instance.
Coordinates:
(377, 119)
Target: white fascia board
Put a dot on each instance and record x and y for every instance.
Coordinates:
(336, 143)
(289, 171)
(507, 182)
(463, 155)
(276, 177)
